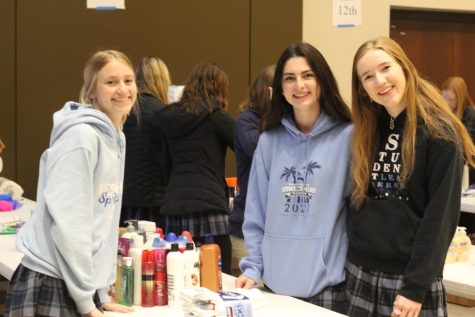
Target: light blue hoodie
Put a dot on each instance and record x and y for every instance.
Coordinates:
(72, 233)
(296, 235)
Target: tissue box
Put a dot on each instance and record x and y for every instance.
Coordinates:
(236, 305)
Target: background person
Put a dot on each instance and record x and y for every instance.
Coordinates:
(147, 161)
(246, 136)
(199, 131)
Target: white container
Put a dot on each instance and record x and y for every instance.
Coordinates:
(135, 252)
(192, 266)
(175, 275)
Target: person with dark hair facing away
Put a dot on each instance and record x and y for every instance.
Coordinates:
(408, 154)
(299, 185)
(246, 136)
(147, 160)
(199, 130)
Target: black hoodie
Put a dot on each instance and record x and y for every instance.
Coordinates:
(407, 229)
(198, 145)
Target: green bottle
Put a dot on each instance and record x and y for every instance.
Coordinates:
(127, 283)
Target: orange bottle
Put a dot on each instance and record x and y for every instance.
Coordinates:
(210, 267)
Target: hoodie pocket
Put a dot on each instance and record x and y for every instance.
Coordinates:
(293, 266)
(385, 228)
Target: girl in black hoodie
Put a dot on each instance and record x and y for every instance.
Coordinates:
(408, 155)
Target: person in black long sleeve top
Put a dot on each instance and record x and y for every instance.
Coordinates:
(408, 155)
(199, 131)
(147, 157)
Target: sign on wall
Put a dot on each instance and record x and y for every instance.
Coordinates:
(106, 4)
(346, 13)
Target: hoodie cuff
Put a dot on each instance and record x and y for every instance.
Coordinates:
(85, 306)
(252, 274)
(104, 295)
(413, 292)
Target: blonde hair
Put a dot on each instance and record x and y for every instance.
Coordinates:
(462, 98)
(425, 106)
(94, 64)
(153, 77)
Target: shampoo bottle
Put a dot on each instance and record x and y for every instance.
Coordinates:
(192, 266)
(210, 266)
(175, 275)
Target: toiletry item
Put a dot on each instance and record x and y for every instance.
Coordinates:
(182, 241)
(135, 252)
(463, 244)
(175, 275)
(210, 267)
(187, 234)
(192, 266)
(148, 270)
(451, 253)
(127, 283)
(160, 296)
(118, 278)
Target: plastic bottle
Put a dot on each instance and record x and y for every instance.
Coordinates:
(175, 275)
(127, 283)
(118, 278)
(463, 244)
(136, 254)
(451, 253)
(160, 297)
(210, 266)
(182, 241)
(148, 268)
(192, 266)
(170, 238)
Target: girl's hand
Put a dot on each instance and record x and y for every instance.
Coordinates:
(404, 307)
(244, 282)
(95, 313)
(111, 306)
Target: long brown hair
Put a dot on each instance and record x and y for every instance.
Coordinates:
(259, 95)
(207, 87)
(331, 101)
(425, 105)
(462, 98)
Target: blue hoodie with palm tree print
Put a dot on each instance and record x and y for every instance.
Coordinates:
(295, 225)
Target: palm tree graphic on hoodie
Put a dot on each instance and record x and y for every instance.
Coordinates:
(298, 194)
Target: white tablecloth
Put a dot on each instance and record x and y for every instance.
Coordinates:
(9, 256)
(468, 204)
(275, 306)
(459, 277)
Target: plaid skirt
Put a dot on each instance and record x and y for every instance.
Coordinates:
(34, 294)
(197, 224)
(372, 293)
(332, 298)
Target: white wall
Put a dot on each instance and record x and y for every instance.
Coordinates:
(338, 45)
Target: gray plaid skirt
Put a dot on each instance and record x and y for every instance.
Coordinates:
(34, 294)
(372, 293)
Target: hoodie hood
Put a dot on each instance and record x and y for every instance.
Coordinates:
(323, 124)
(74, 113)
(175, 122)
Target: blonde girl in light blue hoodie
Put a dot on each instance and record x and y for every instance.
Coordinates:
(70, 242)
